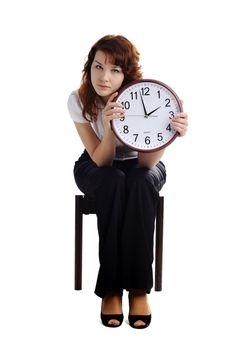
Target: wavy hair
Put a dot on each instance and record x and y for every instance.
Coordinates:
(122, 53)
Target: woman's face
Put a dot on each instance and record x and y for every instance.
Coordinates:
(106, 77)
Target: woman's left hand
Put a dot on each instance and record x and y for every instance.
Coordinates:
(180, 122)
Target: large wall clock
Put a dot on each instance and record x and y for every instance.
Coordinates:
(149, 107)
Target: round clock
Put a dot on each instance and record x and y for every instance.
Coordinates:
(149, 107)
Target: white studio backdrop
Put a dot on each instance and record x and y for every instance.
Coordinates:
(186, 44)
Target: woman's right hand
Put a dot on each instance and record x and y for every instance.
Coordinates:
(112, 110)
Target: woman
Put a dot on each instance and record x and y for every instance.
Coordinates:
(124, 183)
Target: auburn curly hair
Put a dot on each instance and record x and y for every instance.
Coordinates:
(122, 53)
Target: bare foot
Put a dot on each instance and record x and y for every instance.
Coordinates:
(112, 304)
(138, 305)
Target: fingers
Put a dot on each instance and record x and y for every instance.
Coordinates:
(110, 105)
(181, 115)
(180, 129)
(113, 109)
(112, 97)
(180, 123)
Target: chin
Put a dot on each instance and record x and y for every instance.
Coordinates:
(104, 94)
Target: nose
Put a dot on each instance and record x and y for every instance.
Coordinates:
(104, 76)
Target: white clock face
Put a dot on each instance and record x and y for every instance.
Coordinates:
(149, 107)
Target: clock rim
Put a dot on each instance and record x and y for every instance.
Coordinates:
(135, 82)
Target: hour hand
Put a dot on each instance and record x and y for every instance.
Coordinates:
(144, 108)
(153, 111)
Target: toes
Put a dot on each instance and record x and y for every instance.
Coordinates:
(113, 322)
(139, 323)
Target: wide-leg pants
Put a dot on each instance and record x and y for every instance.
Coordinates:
(126, 198)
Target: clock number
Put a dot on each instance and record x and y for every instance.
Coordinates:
(126, 104)
(125, 129)
(158, 92)
(134, 94)
(168, 102)
(145, 91)
(159, 136)
(169, 127)
(122, 119)
(172, 114)
(136, 136)
(147, 140)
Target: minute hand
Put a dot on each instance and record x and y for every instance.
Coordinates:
(143, 104)
(153, 111)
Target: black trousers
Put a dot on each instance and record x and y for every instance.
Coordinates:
(126, 198)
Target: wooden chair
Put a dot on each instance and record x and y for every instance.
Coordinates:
(86, 205)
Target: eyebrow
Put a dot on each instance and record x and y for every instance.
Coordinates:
(113, 65)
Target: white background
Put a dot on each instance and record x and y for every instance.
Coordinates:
(186, 44)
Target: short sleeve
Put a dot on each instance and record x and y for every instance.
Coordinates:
(75, 108)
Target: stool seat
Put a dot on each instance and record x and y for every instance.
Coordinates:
(86, 205)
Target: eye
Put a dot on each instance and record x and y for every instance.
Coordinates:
(98, 66)
(116, 70)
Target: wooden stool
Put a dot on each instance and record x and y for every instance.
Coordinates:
(86, 205)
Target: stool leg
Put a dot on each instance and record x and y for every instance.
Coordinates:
(159, 245)
(78, 243)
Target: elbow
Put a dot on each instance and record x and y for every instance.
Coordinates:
(146, 165)
(101, 163)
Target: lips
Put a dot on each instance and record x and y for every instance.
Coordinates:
(103, 86)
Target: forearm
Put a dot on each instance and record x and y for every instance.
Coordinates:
(150, 159)
(105, 151)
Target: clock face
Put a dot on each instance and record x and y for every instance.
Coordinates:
(149, 107)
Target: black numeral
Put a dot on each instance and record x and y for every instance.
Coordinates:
(158, 92)
(125, 129)
(172, 115)
(136, 136)
(168, 102)
(159, 136)
(125, 104)
(134, 95)
(169, 127)
(147, 140)
(145, 91)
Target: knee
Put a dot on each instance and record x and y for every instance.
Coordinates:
(141, 177)
(112, 176)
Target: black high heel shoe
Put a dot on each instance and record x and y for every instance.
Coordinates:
(144, 318)
(105, 318)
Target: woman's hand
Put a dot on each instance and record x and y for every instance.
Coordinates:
(180, 122)
(112, 110)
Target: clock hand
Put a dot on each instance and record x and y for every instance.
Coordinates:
(153, 111)
(144, 108)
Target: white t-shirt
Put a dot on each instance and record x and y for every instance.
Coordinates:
(75, 109)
